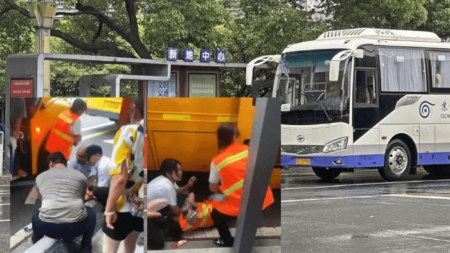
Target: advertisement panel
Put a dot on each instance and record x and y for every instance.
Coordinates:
(163, 88)
(202, 85)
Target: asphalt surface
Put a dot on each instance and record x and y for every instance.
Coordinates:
(95, 130)
(4, 216)
(361, 212)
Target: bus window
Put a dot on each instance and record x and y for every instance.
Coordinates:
(440, 69)
(365, 87)
(402, 70)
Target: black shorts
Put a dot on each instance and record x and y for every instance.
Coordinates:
(125, 224)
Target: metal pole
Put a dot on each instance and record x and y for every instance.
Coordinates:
(43, 15)
(264, 144)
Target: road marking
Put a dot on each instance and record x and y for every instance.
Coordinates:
(427, 238)
(418, 196)
(4, 220)
(353, 197)
(32, 196)
(396, 233)
(368, 196)
(109, 141)
(364, 184)
(90, 136)
(4, 204)
(97, 126)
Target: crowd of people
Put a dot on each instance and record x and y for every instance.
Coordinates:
(171, 209)
(69, 182)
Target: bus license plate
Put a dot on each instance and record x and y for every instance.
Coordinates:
(303, 161)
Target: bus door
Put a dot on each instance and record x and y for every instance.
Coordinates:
(365, 115)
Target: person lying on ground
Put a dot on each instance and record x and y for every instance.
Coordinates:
(198, 215)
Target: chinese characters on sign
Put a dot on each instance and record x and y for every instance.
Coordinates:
(22, 88)
(220, 56)
(188, 54)
(163, 88)
(172, 54)
(202, 85)
(205, 55)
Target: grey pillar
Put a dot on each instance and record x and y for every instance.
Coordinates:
(264, 145)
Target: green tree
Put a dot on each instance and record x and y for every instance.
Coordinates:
(438, 20)
(394, 14)
(16, 35)
(259, 28)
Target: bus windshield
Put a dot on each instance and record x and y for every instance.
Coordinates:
(302, 81)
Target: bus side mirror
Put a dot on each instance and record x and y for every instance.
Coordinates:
(358, 53)
(334, 71)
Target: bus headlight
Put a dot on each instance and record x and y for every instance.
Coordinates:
(335, 145)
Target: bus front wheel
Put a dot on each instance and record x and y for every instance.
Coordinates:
(326, 174)
(397, 161)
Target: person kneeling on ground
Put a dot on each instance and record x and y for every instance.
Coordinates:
(226, 176)
(162, 187)
(63, 214)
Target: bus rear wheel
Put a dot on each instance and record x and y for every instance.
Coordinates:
(327, 174)
(397, 161)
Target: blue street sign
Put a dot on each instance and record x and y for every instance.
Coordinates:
(205, 55)
(221, 56)
(188, 55)
(172, 54)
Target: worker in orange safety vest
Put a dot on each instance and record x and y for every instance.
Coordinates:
(227, 177)
(66, 132)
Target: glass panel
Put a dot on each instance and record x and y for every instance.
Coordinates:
(402, 70)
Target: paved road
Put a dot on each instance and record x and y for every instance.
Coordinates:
(95, 130)
(361, 212)
(4, 216)
(99, 131)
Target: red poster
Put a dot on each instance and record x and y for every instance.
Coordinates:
(22, 88)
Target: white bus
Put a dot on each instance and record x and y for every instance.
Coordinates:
(364, 98)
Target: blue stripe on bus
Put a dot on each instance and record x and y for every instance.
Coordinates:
(361, 161)
(433, 158)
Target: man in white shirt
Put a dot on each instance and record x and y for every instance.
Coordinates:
(102, 165)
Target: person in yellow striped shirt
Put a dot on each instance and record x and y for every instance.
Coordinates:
(124, 208)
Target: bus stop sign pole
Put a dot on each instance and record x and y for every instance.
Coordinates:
(264, 145)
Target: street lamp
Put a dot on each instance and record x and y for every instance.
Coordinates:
(43, 14)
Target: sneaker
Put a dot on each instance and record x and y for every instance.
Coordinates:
(141, 238)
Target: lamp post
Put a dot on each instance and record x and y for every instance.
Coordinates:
(43, 14)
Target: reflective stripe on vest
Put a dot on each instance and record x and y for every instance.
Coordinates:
(63, 135)
(205, 215)
(65, 118)
(232, 159)
(233, 188)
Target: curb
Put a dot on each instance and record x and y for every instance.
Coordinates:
(42, 245)
(4, 179)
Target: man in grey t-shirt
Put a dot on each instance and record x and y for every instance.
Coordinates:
(63, 214)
